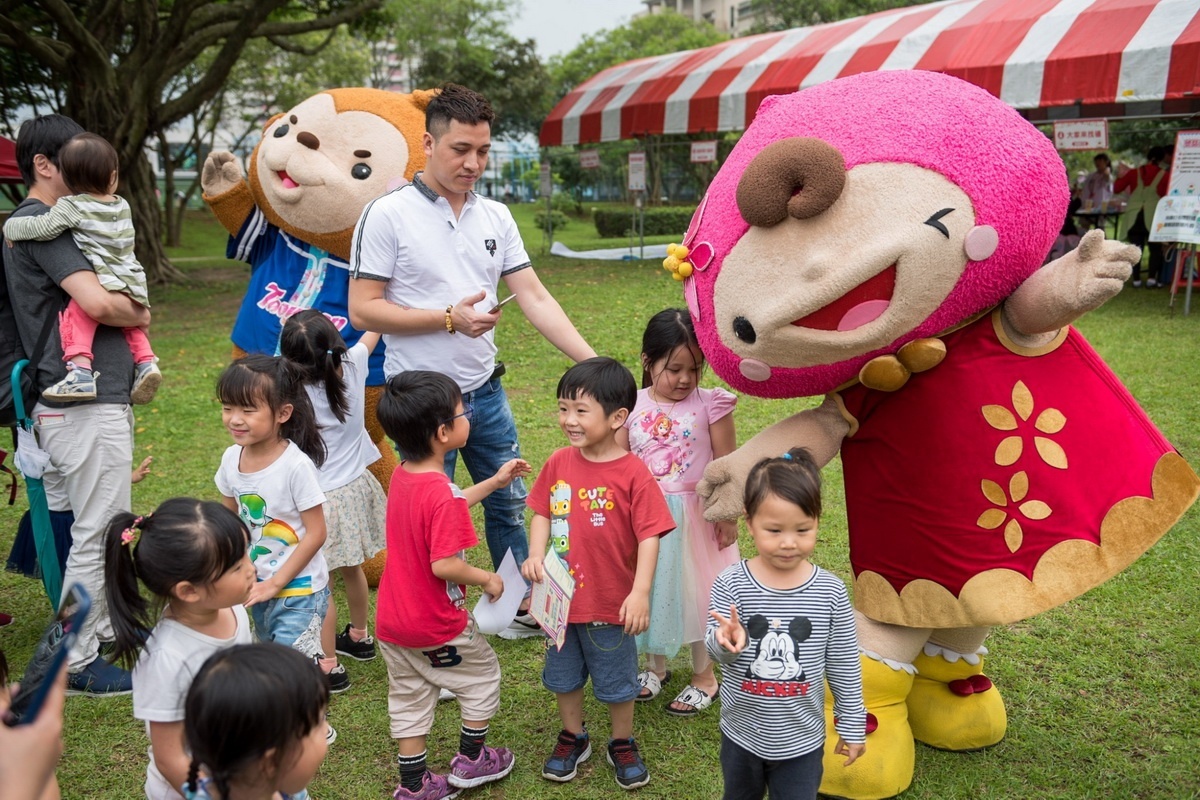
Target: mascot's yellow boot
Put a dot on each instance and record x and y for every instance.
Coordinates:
(886, 769)
(954, 706)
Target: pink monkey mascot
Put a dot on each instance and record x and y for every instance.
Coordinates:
(878, 239)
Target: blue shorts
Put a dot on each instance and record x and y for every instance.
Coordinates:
(293, 621)
(600, 650)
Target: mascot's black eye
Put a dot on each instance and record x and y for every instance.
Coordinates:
(281, 131)
(744, 330)
(936, 222)
(360, 172)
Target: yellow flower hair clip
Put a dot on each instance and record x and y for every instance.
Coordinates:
(676, 262)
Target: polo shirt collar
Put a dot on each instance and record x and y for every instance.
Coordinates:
(432, 196)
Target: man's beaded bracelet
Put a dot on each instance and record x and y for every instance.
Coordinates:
(450, 320)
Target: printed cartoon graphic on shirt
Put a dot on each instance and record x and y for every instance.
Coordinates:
(776, 671)
(271, 540)
(665, 445)
(560, 510)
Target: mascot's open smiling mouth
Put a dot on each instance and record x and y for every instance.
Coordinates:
(862, 304)
(287, 180)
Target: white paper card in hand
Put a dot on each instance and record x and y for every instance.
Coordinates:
(493, 616)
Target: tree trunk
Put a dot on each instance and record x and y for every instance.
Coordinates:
(142, 193)
(168, 204)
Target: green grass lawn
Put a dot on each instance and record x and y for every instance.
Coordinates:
(1103, 693)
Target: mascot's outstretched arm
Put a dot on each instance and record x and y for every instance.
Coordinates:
(226, 190)
(819, 429)
(1067, 288)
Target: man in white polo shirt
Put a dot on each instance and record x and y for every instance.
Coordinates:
(425, 263)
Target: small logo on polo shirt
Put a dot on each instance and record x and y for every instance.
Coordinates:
(490, 244)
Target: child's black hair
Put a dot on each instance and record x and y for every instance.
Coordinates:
(258, 378)
(185, 539)
(605, 380)
(88, 163)
(793, 477)
(413, 406)
(313, 344)
(667, 330)
(245, 701)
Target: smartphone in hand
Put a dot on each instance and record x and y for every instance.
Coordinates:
(498, 306)
(48, 657)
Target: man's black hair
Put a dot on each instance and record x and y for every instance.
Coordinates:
(45, 136)
(459, 104)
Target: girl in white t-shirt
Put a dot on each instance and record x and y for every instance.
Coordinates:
(269, 477)
(255, 725)
(193, 558)
(335, 378)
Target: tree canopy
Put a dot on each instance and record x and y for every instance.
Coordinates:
(779, 15)
(112, 65)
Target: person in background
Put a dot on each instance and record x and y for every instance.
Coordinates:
(1145, 186)
(90, 442)
(1097, 187)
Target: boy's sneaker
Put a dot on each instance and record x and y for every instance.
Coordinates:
(492, 765)
(345, 645)
(100, 679)
(337, 679)
(146, 379)
(569, 752)
(433, 787)
(80, 384)
(631, 770)
(330, 735)
(523, 626)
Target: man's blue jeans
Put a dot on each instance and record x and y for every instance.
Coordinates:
(492, 443)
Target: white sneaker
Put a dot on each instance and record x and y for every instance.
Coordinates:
(523, 626)
(446, 694)
(80, 384)
(1137, 284)
(330, 735)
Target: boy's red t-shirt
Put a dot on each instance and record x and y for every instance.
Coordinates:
(427, 520)
(599, 512)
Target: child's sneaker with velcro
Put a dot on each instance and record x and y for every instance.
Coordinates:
(433, 787)
(492, 765)
(569, 752)
(523, 626)
(337, 679)
(631, 770)
(80, 384)
(361, 650)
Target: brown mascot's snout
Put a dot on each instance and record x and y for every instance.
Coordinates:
(800, 177)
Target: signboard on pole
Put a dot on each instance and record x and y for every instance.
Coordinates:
(1177, 217)
(589, 159)
(547, 183)
(637, 172)
(704, 152)
(1081, 134)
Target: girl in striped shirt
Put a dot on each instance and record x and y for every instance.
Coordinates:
(789, 631)
(102, 226)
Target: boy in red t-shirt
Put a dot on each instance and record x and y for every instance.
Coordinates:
(605, 512)
(426, 635)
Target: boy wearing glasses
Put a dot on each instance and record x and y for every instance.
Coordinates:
(427, 637)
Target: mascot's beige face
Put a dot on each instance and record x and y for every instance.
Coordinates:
(317, 168)
(850, 279)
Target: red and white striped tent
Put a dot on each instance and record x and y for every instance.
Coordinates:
(1050, 59)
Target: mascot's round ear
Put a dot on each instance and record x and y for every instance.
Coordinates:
(757, 626)
(421, 97)
(800, 629)
(271, 121)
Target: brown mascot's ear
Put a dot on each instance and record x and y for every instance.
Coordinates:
(421, 97)
(271, 121)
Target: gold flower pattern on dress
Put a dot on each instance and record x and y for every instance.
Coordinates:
(1018, 490)
(1050, 422)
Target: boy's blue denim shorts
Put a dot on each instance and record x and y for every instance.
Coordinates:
(292, 621)
(600, 650)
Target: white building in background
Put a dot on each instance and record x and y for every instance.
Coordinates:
(728, 16)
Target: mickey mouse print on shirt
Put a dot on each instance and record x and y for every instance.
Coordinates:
(776, 670)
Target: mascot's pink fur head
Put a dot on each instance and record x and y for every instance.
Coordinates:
(913, 123)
